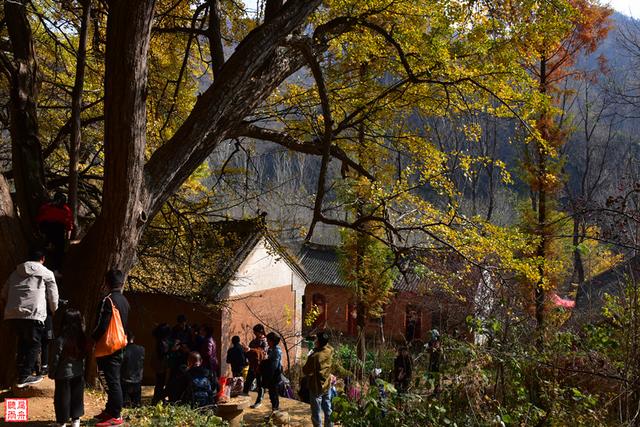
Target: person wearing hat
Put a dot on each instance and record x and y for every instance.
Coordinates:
(317, 369)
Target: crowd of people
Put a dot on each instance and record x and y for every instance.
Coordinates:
(184, 358)
(185, 363)
(186, 366)
(29, 297)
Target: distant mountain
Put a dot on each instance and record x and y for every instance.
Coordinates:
(618, 59)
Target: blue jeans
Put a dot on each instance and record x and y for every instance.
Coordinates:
(321, 403)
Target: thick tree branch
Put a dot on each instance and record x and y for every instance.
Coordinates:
(326, 137)
(215, 37)
(259, 64)
(76, 109)
(291, 143)
(271, 9)
(185, 30)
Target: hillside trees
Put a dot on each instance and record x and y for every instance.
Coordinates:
(372, 65)
(580, 27)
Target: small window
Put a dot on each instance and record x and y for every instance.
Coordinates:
(413, 323)
(352, 319)
(320, 302)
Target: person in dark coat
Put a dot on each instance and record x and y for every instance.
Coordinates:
(131, 373)
(434, 346)
(236, 357)
(271, 369)
(110, 364)
(208, 350)
(66, 363)
(55, 222)
(199, 391)
(160, 361)
(182, 331)
(402, 370)
(256, 352)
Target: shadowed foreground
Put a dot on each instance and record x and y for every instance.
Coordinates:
(41, 412)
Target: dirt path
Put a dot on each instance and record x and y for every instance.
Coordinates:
(41, 412)
(299, 412)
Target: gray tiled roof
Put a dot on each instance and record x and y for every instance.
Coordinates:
(407, 283)
(321, 264)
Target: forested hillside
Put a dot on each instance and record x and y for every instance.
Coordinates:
(260, 176)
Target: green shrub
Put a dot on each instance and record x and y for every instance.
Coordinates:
(382, 358)
(170, 416)
(382, 406)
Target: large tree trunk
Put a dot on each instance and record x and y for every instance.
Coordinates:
(28, 169)
(12, 251)
(17, 223)
(112, 240)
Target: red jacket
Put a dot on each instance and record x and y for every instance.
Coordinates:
(50, 212)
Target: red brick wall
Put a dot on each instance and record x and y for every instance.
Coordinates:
(338, 300)
(274, 308)
(432, 312)
(149, 310)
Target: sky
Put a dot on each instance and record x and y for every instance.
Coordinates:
(628, 7)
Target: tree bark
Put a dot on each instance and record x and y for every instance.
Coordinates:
(541, 211)
(76, 108)
(214, 34)
(361, 348)
(26, 151)
(112, 240)
(12, 251)
(541, 253)
(271, 9)
(578, 265)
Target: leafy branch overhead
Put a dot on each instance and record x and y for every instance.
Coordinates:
(130, 105)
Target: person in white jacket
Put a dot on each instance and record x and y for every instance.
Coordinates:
(28, 292)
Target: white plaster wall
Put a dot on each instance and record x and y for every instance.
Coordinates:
(264, 268)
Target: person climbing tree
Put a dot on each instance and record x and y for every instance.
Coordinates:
(55, 222)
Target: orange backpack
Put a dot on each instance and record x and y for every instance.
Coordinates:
(114, 338)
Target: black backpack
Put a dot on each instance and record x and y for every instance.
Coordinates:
(201, 392)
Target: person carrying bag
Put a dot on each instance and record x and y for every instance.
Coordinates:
(114, 338)
(110, 338)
